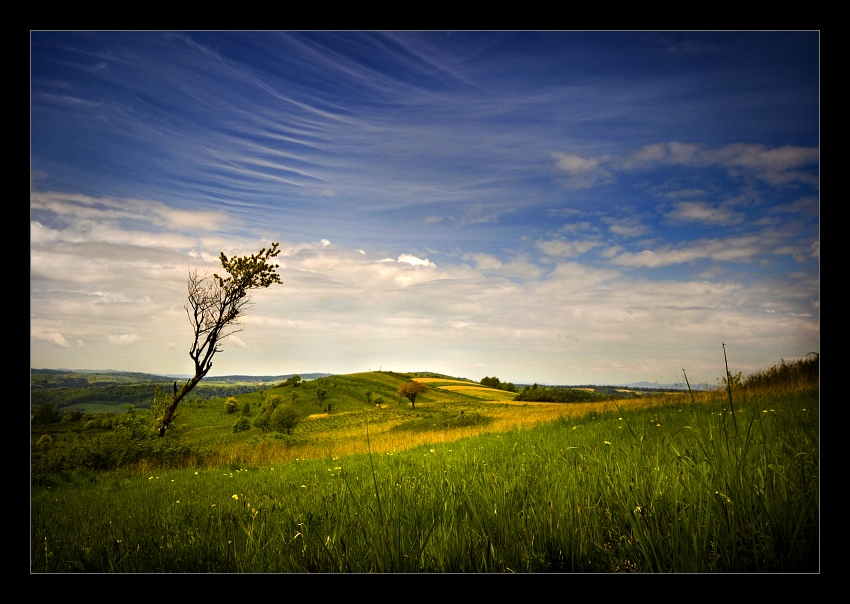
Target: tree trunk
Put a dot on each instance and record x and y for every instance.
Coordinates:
(168, 414)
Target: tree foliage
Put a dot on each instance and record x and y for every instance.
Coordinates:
(46, 414)
(559, 395)
(411, 390)
(284, 418)
(293, 380)
(215, 307)
(494, 382)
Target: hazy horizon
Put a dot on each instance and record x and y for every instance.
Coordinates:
(550, 207)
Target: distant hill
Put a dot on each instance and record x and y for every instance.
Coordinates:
(153, 377)
(656, 386)
(264, 378)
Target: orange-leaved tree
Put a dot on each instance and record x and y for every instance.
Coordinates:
(411, 390)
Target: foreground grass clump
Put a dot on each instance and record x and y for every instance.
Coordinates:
(687, 487)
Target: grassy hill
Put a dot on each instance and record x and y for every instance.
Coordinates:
(451, 409)
(460, 483)
(355, 400)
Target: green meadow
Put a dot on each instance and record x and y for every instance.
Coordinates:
(467, 480)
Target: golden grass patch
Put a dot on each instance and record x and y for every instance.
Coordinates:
(428, 380)
(452, 387)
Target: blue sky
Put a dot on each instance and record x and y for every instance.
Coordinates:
(552, 207)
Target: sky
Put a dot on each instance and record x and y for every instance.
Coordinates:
(549, 207)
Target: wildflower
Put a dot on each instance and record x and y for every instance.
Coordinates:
(607, 443)
(196, 473)
(432, 450)
(150, 478)
(235, 497)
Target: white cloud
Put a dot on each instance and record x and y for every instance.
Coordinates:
(700, 211)
(416, 261)
(778, 165)
(484, 262)
(563, 247)
(582, 172)
(236, 341)
(807, 206)
(85, 210)
(124, 338)
(55, 338)
(731, 249)
(775, 165)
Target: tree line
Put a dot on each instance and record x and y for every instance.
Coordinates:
(140, 395)
(535, 393)
(494, 382)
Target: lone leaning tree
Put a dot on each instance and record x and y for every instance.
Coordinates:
(214, 308)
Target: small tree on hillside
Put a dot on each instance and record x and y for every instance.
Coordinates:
(262, 422)
(411, 390)
(214, 308)
(295, 380)
(284, 418)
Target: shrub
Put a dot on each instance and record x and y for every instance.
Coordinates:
(231, 404)
(131, 442)
(242, 424)
(106, 424)
(45, 441)
(246, 409)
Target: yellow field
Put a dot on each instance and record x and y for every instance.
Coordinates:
(427, 380)
(481, 392)
(465, 387)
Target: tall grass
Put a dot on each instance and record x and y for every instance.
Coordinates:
(670, 488)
